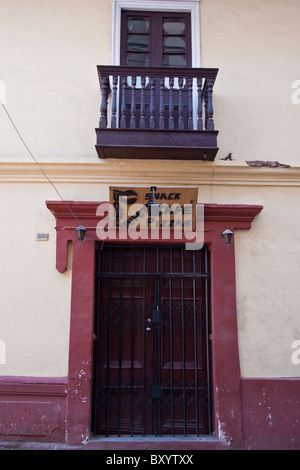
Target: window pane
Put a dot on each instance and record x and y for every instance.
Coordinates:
(174, 61)
(138, 60)
(138, 24)
(137, 43)
(173, 26)
(174, 44)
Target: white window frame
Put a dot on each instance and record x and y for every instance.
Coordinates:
(188, 6)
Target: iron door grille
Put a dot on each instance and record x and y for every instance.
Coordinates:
(152, 347)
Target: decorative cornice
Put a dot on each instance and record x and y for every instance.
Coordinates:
(235, 216)
(240, 215)
(93, 170)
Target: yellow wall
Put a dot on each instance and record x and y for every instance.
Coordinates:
(50, 49)
(35, 298)
(255, 45)
(48, 56)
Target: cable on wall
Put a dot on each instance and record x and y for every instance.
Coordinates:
(33, 157)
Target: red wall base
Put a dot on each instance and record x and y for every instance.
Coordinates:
(34, 410)
(271, 413)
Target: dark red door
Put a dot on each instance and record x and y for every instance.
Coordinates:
(152, 350)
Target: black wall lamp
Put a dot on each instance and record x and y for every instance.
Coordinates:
(227, 236)
(80, 232)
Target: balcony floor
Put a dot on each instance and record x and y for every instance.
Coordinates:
(157, 144)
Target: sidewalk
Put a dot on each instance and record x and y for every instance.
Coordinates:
(125, 444)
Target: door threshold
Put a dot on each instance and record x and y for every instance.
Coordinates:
(154, 443)
(204, 438)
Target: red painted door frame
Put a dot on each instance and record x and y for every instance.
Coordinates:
(225, 356)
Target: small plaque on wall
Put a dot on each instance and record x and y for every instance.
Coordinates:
(42, 237)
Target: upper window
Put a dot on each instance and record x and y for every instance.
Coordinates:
(155, 39)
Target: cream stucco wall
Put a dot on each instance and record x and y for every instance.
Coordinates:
(35, 298)
(50, 49)
(255, 44)
(48, 56)
(267, 277)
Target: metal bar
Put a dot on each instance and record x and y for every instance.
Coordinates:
(175, 275)
(144, 349)
(108, 347)
(96, 360)
(155, 363)
(159, 342)
(207, 345)
(132, 346)
(159, 377)
(120, 346)
(155, 372)
(195, 347)
(171, 342)
(183, 344)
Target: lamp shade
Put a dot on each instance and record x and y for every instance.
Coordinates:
(80, 232)
(227, 235)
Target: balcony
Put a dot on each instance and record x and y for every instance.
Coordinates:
(156, 113)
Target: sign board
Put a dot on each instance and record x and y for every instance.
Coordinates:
(179, 200)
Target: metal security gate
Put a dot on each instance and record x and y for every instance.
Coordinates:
(151, 352)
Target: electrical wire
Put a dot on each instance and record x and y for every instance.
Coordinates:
(33, 157)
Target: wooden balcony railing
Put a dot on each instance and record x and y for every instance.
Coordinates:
(156, 113)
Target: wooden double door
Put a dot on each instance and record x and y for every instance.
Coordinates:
(155, 39)
(161, 40)
(151, 354)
